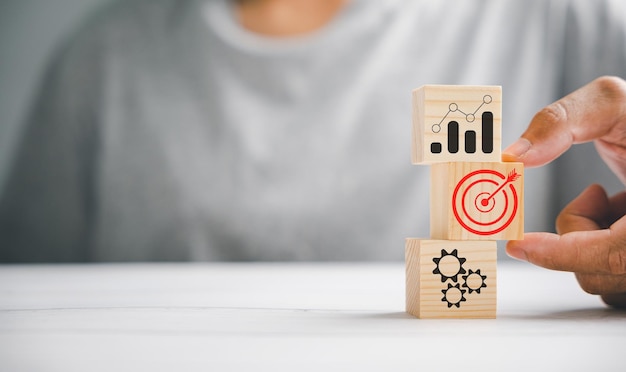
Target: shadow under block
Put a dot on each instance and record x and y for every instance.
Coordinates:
(477, 201)
(451, 279)
(456, 123)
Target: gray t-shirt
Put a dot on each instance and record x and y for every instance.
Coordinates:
(165, 131)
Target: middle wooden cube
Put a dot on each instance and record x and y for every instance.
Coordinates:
(477, 201)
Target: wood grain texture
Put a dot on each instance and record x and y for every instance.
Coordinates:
(451, 279)
(434, 107)
(477, 201)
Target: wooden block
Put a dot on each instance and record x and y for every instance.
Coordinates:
(456, 123)
(451, 279)
(477, 201)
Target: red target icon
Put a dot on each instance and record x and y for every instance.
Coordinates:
(485, 201)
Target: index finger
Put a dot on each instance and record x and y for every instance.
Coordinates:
(588, 113)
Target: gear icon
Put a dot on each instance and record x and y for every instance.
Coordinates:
(453, 295)
(449, 265)
(474, 281)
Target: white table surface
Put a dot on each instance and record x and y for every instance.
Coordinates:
(287, 317)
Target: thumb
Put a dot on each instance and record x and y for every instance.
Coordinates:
(591, 252)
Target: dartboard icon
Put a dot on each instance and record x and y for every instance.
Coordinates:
(486, 201)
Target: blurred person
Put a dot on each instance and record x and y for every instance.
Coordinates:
(275, 129)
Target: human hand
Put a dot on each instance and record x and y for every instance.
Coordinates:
(591, 230)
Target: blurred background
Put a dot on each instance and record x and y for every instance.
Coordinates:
(31, 29)
(29, 32)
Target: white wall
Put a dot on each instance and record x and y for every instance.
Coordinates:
(29, 31)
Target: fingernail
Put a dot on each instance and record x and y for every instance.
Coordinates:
(516, 252)
(517, 149)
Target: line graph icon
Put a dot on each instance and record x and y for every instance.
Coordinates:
(469, 117)
(456, 123)
(470, 134)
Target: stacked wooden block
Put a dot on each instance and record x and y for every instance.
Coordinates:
(475, 200)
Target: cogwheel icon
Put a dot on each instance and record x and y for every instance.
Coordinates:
(474, 281)
(453, 295)
(449, 265)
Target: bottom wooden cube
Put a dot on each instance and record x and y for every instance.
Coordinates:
(450, 278)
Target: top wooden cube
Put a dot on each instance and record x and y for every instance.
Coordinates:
(456, 123)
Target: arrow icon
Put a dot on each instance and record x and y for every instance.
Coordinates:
(512, 177)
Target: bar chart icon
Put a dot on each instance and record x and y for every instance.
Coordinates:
(469, 137)
(464, 128)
